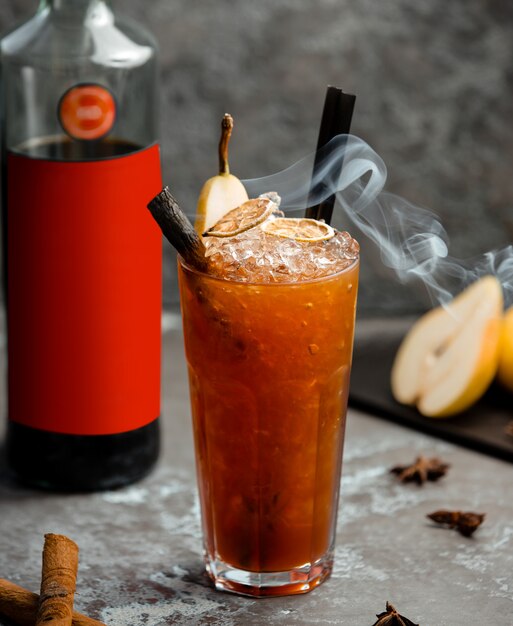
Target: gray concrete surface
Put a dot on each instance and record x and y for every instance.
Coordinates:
(141, 564)
(434, 86)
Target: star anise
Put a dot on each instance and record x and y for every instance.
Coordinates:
(421, 470)
(392, 618)
(465, 523)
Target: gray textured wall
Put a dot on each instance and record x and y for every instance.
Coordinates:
(435, 98)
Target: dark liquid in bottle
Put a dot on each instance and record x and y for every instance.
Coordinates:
(76, 462)
(64, 149)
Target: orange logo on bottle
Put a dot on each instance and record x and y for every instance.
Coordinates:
(87, 111)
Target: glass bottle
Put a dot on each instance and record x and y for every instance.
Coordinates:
(81, 254)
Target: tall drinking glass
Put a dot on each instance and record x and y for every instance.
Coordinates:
(269, 367)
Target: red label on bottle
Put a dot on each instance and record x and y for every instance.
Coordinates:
(84, 293)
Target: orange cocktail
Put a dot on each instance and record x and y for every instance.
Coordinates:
(269, 366)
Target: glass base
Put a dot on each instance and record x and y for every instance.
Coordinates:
(264, 584)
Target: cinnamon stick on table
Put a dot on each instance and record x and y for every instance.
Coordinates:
(20, 606)
(58, 581)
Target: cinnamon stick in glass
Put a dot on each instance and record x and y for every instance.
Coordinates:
(58, 581)
(177, 229)
(20, 606)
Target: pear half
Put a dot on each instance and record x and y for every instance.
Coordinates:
(222, 192)
(505, 372)
(450, 355)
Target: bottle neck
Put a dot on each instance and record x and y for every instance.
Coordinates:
(74, 8)
(76, 13)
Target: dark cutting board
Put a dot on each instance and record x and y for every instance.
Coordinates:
(481, 427)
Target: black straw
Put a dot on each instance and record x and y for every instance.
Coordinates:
(336, 120)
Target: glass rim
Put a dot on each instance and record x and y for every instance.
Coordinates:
(291, 283)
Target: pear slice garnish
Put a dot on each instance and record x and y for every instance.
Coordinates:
(222, 192)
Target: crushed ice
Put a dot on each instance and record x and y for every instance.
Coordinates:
(256, 256)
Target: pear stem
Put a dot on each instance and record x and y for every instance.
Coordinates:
(226, 132)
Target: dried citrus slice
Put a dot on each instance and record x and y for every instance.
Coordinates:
(246, 216)
(299, 229)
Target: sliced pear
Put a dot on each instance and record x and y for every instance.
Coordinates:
(450, 356)
(505, 371)
(222, 192)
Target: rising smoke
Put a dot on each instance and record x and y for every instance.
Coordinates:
(411, 240)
